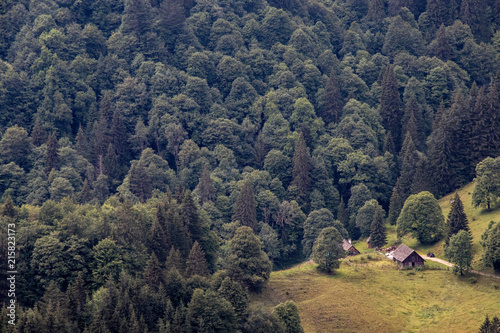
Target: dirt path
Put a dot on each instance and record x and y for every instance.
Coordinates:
(449, 264)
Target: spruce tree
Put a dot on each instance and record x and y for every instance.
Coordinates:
(397, 202)
(81, 144)
(140, 182)
(111, 163)
(302, 172)
(332, 100)
(439, 12)
(378, 235)
(38, 134)
(85, 194)
(474, 14)
(100, 142)
(174, 260)
(52, 160)
(190, 217)
(342, 215)
(245, 209)
(390, 105)
(158, 241)
(153, 274)
(442, 47)
(119, 137)
(206, 188)
(196, 263)
(457, 219)
(413, 121)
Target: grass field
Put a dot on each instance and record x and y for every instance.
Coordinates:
(479, 220)
(371, 295)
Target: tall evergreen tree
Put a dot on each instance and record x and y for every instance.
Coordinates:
(342, 215)
(485, 134)
(413, 121)
(100, 142)
(376, 11)
(82, 144)
(157, 240)
(140, 182)
(440, 12)
(457, 219)
(390, 105)
(52, 160)
(206, 188)
(332, 100)
(153, 274)
(245, 209)
(85, 194)
(196, 263)
(38, 134)
(302, 171)
(474, 14)
(397, 202)
(119, 137)
(442, 47)
(111, 163)
(378, 235)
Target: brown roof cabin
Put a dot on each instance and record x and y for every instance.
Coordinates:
(349, 248)
(407, 257)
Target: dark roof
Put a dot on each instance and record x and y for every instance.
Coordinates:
(346, 245)
(402, 252)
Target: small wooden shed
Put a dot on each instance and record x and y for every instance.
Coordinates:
(349, 248)
(407, 257)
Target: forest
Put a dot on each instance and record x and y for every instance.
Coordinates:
(159, 158)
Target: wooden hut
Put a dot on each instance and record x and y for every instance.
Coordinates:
(407, 257)
(349, 248)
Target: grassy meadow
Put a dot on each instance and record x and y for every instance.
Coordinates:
(372, 295)
(479, 220)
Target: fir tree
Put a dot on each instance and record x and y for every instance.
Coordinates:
(439, 12)
(442, 47)
(413, 122)
(153, 274)
(81, 144)
(38, 134)
(196, 263)
(190, 217)
(342, 215)
(85, 194)
(332, 100)
(390, 105)
(158, 241)
(100, 142)
(397, 202)
(140, 182)
(378, 235)
(206, 188)
(119, 137)
(174, 260)
(245, 208)
(52, 160)
(457, 219)
(111, 163)
(474, 14)
(302, 171)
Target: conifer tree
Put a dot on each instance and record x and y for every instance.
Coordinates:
(459, 251)
(302, 171)
(85, 194)
(413, 122)
(206, 188)
(389, 145)
(174, 260)
(52, 161)
(119, 137)
(196, 263)
(38, 134)
(245, 209)
(332, 100)
(474, 14)
(397, 202)
(8, 209)
(100, 143)
(158, 241)
(236, 295)
(439, 12)
(81, 144)
(457, 219)
(153, 274)
(442, 47)
(190, 217)
(390, 105)
(342, 215)
(378, 235)
(140, 182)
(111, 163)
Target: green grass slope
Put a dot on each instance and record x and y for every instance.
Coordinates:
(479, 220)
(374, 296)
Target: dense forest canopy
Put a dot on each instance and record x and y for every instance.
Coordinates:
(145, 144)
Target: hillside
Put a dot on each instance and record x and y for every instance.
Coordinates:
(479, 219)
(374, 296)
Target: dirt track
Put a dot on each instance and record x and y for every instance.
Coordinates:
(449, 264)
